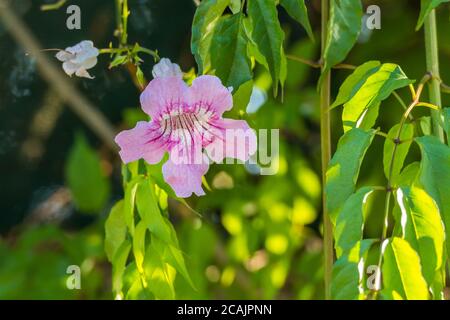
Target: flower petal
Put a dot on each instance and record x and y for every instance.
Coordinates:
(165, 68)
(83, 45)
(82, 73)
(86, 54)
(231, 139)
(209, 92)
(70, 68)
(164, 94)
(185, 179)
(63, 55)
(143, 141)
(89, 63)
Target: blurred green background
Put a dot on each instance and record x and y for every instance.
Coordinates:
(258, 237)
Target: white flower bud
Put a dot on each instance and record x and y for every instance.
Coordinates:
(77, 59)
(165, 68)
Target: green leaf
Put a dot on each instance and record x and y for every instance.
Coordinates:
(115, 230)
(155, 171)
(350, 221)
(422, 227)
(402, 150)
(118, 60)
(268, 36)
(343, 170)
(140, 76)
(348, 275)
(174, 257)
(241, 98)
(297, 10)
(365, 89)
(88, 184)
(343, 30)
(147, 204)
(409, 174)
(235, 6)
(129, 202)
(355, 81)
(133, 284)
(118, 263)
(446, 113)
(425, 8)
(139, 245)
(425, 125)
(401, 270)
(228, 52)
(160, 275)
(434, 176)
(205, 19)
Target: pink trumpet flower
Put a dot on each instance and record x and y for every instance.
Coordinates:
(187, 123)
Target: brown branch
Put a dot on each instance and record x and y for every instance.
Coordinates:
(318, 65)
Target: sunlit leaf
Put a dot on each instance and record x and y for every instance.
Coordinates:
(139, 244)
(401, 272)
(115, 230)
(401, 150)
(148, 209)
(118, 263)
(130, 201)
(408, 174)
(343, 170)
(173, 256)
(434, 176)
(365, 89)
(355, 81)
(160, 275)
(348, 272)
(350, 221)
(422, 227)
(235, 6)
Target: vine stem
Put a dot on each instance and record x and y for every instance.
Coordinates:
(432, 59)
(389, 188)
(325, 143)
(318, 65)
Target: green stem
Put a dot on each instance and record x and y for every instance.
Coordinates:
(325, 143)
(125, 14)
(402, 103)
(112, 50)
(432, 57)
(119, 26)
